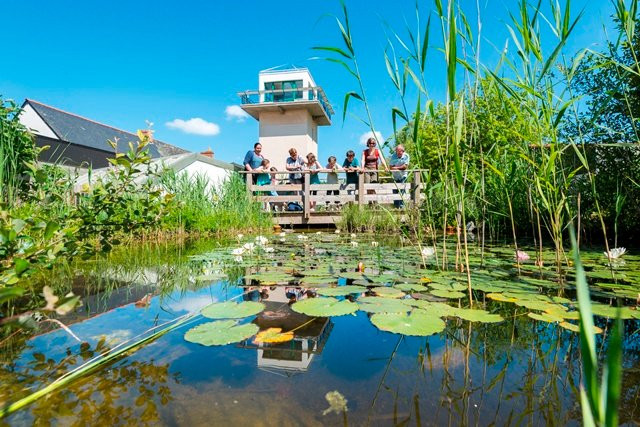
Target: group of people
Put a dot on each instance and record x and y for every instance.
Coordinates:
(370, 162)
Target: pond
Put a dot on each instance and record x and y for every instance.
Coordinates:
(372, 333)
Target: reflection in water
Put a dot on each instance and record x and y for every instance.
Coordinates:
(516, 372)
(310, 335)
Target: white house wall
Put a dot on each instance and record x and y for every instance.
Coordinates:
(215, 174)
(32, 121)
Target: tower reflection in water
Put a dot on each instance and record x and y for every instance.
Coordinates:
(310, 333)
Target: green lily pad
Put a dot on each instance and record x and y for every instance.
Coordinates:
(546, 317)
(232, 310)
(270, 277)
(417, 323)
(324, 307)
(450, 286)
(382, 305)
(354, 275)
(220, 332)
(439, 309)
(476, 315)
(575, 328)
(341, 290)
(409, 287)
(383, 291)
(447, 294)
(500, 297)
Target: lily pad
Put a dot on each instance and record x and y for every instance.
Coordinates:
(382, 305)
(575, 328)
(341, 290)
(324, 307)
(439, 309)
(546, 317)
(447, 294)
(232, 310)
(409, 287)
(473, 315)
(220, 332)
(383, 291)
(273, 335)
(417, 323)
(211, 277)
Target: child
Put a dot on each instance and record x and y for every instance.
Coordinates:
(332, 177)
(263, 178)
(351, 166)
(314, 167)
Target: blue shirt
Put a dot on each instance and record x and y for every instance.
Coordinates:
(352, 177)
(252, 159)
(399, 175)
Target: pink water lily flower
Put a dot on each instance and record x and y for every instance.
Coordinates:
(521, 256)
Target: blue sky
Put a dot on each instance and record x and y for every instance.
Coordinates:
(122, 62)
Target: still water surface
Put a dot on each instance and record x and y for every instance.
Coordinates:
(518, 371)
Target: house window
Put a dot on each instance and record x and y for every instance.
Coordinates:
(283, 92)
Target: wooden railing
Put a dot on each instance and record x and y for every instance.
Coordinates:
(330, 195)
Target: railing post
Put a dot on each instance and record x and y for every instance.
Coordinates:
(415, 188)
(249, 182)
(307, 193)
(360, 188)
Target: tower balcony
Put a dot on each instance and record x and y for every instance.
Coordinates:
(310, 98)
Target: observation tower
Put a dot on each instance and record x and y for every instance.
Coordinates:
(289, 107)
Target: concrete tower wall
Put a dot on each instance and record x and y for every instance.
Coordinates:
(280, 131)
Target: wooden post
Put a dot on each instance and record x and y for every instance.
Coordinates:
(249, 181)
(305, 198)
(360, 189)
(415, 188)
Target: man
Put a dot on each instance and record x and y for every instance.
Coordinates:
(399, 163)
(253, 160)
(295, 164)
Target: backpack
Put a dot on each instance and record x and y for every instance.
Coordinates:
(294, 207)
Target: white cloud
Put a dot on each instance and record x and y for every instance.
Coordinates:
(196, 126)
(367, 135)
(234, 112)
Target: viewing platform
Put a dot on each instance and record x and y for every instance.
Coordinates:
(312, 99)
(321, 204)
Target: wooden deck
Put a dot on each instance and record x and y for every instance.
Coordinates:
(322, 203)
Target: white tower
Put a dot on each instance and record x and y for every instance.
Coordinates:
(289, 108)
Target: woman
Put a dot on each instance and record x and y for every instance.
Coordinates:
(371, 159)
(253, 160)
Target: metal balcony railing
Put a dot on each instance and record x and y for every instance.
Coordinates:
(287, 96)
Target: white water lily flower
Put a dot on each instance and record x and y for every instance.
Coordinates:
(261, 240)
(249, 247)
(268, 250)
(318, 232)
(615, 253)
(428, 251)
(283, 239)
(282, 234)
(374, 244)
(337, 231)
(238, 259)
(237, 251)
(353, 236)
(240, 236)
(354, 244)
(302, 237)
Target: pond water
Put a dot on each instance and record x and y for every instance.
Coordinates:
(446, 364)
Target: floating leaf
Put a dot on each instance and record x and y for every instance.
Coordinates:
(439, 309)
(232, 310)
(451, 286)
(382, 305)
(273, 335)
(447, 294)
(545, 317)
(383, 291)
(211, 277)
(418, 323)
(575, 328)
(220, 332)
(324, 307)
(408, 287)
(341, 290)
(473, 315)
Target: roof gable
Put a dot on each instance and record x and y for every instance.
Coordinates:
(79, 130)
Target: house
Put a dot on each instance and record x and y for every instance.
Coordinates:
(77, 141)
(192, 164)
